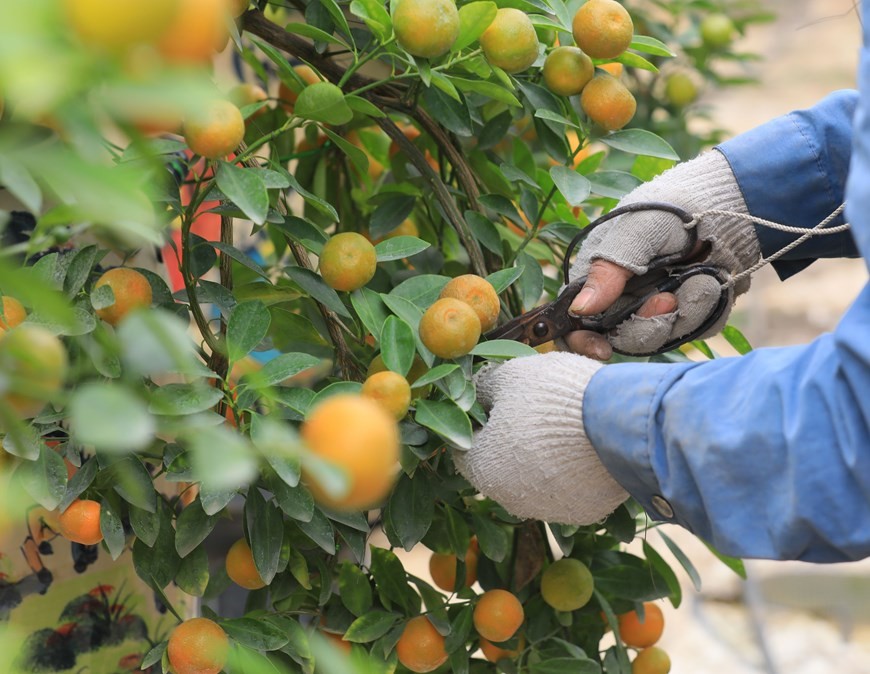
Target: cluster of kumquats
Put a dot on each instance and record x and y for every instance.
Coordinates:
(602, 30)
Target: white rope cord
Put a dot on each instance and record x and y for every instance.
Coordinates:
(820, 229)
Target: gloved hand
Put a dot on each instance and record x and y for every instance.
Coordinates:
(620, 249)
(533, 456)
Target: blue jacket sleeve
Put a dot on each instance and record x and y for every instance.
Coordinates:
(793, 170)
(766, 455)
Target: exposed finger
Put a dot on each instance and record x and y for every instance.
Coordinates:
(588, 343)
(604, 283)
(663, 303)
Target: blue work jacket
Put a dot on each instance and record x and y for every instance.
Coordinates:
(765, 455)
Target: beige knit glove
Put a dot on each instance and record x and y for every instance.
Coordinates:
(633, 240)
(533, 456)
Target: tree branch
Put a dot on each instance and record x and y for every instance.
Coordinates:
(390, 95)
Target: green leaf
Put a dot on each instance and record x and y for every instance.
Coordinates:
(733, 563)
(110, 417)
(364, 107)
(447, 420)
(459, 630)
(736, 339)
(484, 231)
(551, 116)
(260, 634)
(79, 270)
(458, 533)
(320, 204)
(370, 626)
(574, 187)
(246, 189)
(247, 328)
(496, 92)
(613, 621)
(281, 446)
(240, 257)
(704, 348)
(192, 528)
(514, 174)
(112, 528)
(391, 213)
(493, 540)
(502, 348)
(144, 524)
(399, 248)
(181, 399)
(193, 574)
(660, 565)
(391, 581)
(300, 229)
(312, 32)
(436, 608)
(323, 102)
(281, 368)
(356, 155)
(17, 179)
(411, 314)
(436, 373)
(132, 481)
(501, 280)
(411, 509)
(421, 290)
(565, 666)
(266, 529)
(375, 17)
(635, 581)
(153, 656)
(474, 18)
(337, 16)
(444, 83)
(453, 114)
(221, 458)
(79, 482)
(683, 559)
(354, 589)
(650, 45)
(613, 184)
(295, 502)
(640, 141)
(636, 61)
(315, 286)
(158, 565)
(397, 345)
(24, 442)
(531, 281)
(215, 499)
(320, 530)
(370, 309)
(156, 342)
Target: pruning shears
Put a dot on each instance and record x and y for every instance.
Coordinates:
(666, 274)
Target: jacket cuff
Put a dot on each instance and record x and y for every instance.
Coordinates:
(617, 415)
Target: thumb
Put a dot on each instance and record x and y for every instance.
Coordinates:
(604, 284)
(486, 385)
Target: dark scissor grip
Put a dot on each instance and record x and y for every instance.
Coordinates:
(551, 321)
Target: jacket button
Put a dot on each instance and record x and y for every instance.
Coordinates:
(663, 508)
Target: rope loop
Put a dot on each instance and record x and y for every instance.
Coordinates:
(820, 229)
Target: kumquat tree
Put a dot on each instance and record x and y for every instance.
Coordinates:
(250, 256)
